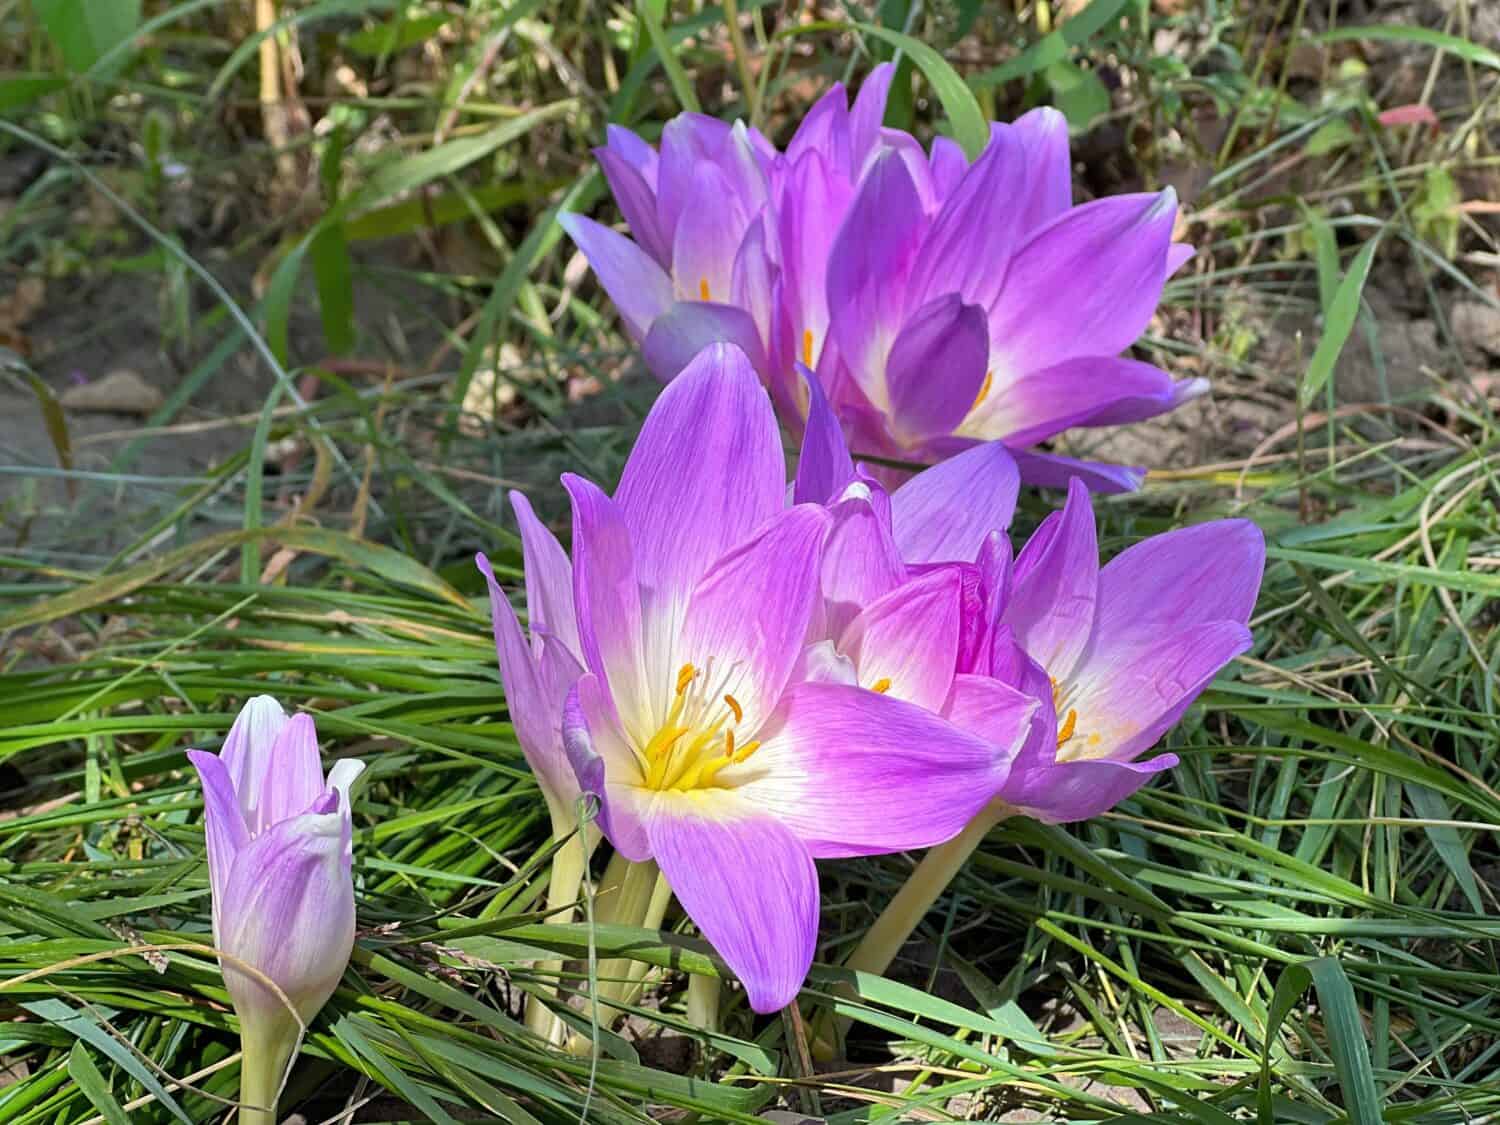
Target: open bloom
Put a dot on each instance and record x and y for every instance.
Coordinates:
(279, 866)
(941, 302)
(538, 672)
(923, 603)
(709, 749)
(1116, 654)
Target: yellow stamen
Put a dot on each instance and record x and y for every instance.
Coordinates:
(734, 705)
(984, 389)
(882, 685)
(807, 343)
(1093, 740)
(1065, 732)
(685, 675)
(744, 752)
(703, 289)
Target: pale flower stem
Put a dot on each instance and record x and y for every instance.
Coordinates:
(263, 1065)
(703, 1002)
(607, 897)
(899, 920)
(564, 881)
(633, 907)
(640, 899)
(656, 910)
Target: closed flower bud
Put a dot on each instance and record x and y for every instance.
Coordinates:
(279, 859)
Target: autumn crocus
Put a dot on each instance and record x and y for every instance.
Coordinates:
(941, 302)
(1112, 656)
(712, 754)
(279, 858)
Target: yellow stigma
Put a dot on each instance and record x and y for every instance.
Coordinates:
(882, 685)
(694, 742)
(984, 390)
(703, 289)
(807, 343)
(1065, 731)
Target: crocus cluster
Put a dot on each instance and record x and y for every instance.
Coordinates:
(941, 302)
(279, 860)
(749, 661)
(714, 747)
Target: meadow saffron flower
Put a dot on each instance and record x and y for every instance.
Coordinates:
(1116, 654)
(941, 303)
(709, 749)
(279, 859)
(1111, 657)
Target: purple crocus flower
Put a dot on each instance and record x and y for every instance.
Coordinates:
(1113, 656)
(711, 750)
(1116, 654)
(279, 866)
(941, 303)
(539, 672)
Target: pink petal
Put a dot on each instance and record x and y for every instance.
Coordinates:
(747, 619)
(944, 514)
(936, 368)
(549, 576)
(607, 594)
(747, 882)
(852, 772)
(604, 764)
(1208, 572)
(224, 826)
(1082, 391)
(868, 267)
(639, 287)
(1051, 607)
(288, 911)
(907, 640)
(1109, 256)
(706, 471)
(1043, 134)
(688, 327)
(1079, 790)
(1132, 689)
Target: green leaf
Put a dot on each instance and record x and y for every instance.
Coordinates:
(1346, 1037)
(56, 423)
(1325, 254)
(969, 126)
(86, 1028)
(1330, 137)
(1077, 92)
(21, 89)
(1053, 47)
(1338, 323)
(84, 30)
(1446, 841)
(333, 271)
(82, 1070)
(682, 87)
(1402, 33)
(396, 34)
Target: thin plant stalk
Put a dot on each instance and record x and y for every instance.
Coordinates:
(703, 1002)
(566, 878)
(263, 1066)
(899, 920)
